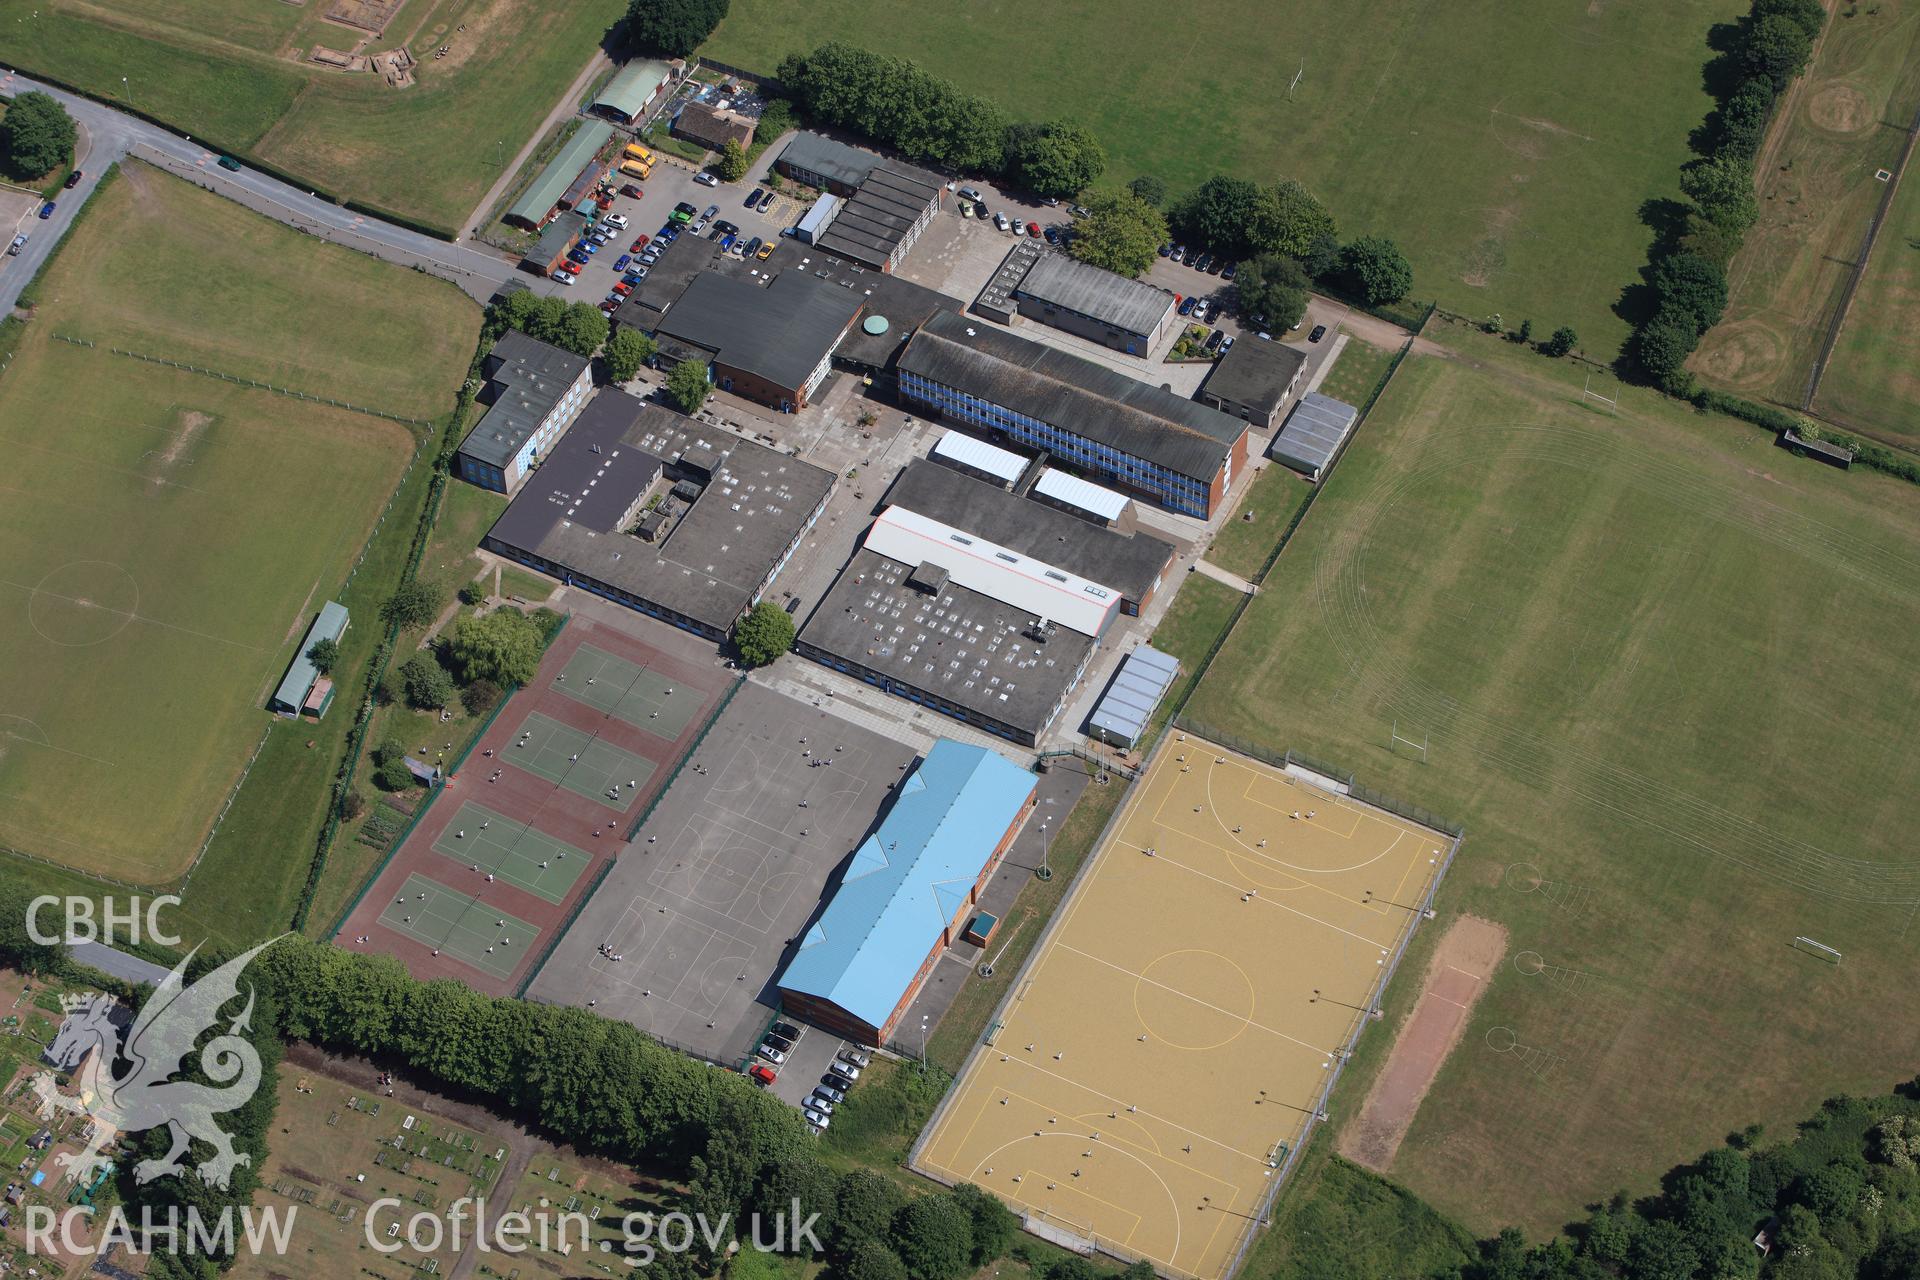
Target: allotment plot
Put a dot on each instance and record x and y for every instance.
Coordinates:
(1177, 1029)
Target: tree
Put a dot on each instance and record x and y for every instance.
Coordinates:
(1694, 285)
(580, 327)
(413, 605)
(1663, 345)
(627, 350)
(1524, 334)
(862, 1208)
(17, 946)
(427, 685)
(1661, 1251)
(673, 28)
(480, 697)
(1810, 14)
(871, 1260)
(1744, 115)
(324, 654)
(1711, 241)
(732, 165)
(1121, 233)
(1219, 215)
(1778, 48)
(1322, 258)
(1275, 286)
(1564, 340)
(776, 118)
(36, 136)
(764, 634)
(390, 772)
(934, 1238)
(687, 386)
(1722, 187)
(503, 646)
(1291, 220)
(1057, 158)
(994, 1225)
(1150, 188)
(1377, 270)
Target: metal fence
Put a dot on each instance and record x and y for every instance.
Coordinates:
(685, 756)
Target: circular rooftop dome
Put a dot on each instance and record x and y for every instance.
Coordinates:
(875, 325)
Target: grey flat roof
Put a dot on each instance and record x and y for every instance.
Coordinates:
(1313, 433)
(820, 154)
(905, 305)
(667, 280)
(874, 221)
(961, 646)
(1129, 564)
(781, 331)
(558, 236)
(720, 550)
(1255, 373)
(1068, 283)
(527, 379)
(1042, 382)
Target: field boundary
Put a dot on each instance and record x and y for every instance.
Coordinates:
(247, 382)
(1860, 265)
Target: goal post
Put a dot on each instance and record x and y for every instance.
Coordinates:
(1818, 950)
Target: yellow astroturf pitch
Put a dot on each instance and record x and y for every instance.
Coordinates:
(1176, 1029)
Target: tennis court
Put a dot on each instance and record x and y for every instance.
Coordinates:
(1176, 1029)
(644, 698)
(581, 762)
(490, 844)
(459, 924)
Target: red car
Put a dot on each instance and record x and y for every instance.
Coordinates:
(623, 288)
(762, 1075)
(571, 268)
(1033, 229)
(632, 192)
(639, 244)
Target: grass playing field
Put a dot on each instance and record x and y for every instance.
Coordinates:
(1666, 674)
(233, 72)
(1493, 142)
(167, 537)
(1179, 1025)
(1845, 121)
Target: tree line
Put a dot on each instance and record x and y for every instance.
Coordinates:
(1769, 47)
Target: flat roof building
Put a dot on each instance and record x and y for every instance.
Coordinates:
(819, 161)
(533, 391)
(547, 195)
(773, 343)
(634, 89)
(1253, 380)
(295, 694)
(878, 224)
(1131, 563)
(975, 457)
(1121, 717)
(1112, 428)
(556, 240)
(1314, 434)
(680, 264)
(906, 892)
(1065, 293)
(675, 518)
(1083, 499)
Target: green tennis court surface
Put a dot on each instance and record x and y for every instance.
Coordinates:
(512, 851)
(459, 925)
(643, 698)
(580, 762)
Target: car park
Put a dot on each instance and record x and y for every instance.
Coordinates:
(855, 1057)
(683, 212)
(1000, 221)
(1319, 332)
(706, 179)
(753, 198)
(763, 1074)
(639, 243)
(560, 276)
(577, 255)
(785, 1029)
(1186, 306)
(966, 209)
(772, 1054)
(634, 276)
(820, 1102)
(1214, 267)
(726, 242)
(780, 1042)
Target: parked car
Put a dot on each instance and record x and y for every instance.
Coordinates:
(766, 251)
(762, 1074)
(1033, 230)
(623, 288)
(786, 1029)
(772, 1055)
(1319, 332)
(857, 1057)
(19, 243)
(640, 242)
(609, 305)
(620, 263)
(634, 276)
(753, 245)
(1166, 250)
(632, 192)
(1226, 344)
(683, 212)
(46, 210)
(1052, 235)
(726, 242)
(783, 1043)
(969, 194)
(577, 255)
(713, 211)
(754, 197)
(828, 1089)
(966, 208)
(1215, 267)
(617, 220)
(838, 1068)
(999, 220)
(1201, 310)
(727, 227)
(1201, 263)
(1226, 272)
(560, 276)
(706, 179)
(820, 1102)
(73, 179)
(571, 268)
(1186, 306)
(793, 604)
(1179, 253)
(980, 209)
(1078, 211)
(1215, 338)
(818, 1119)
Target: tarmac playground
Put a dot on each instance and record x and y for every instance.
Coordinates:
(1175, 1031)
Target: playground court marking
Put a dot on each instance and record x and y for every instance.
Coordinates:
(459, 924)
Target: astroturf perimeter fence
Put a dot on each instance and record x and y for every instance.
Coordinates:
(559, 930)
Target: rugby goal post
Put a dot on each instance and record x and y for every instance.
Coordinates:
(1818, 950)
(1588, 393)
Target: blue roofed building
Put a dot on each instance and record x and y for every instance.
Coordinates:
(908, 892)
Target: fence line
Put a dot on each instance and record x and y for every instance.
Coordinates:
(255, 383)
(232, 795)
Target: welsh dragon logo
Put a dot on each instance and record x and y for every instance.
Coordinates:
(156, 1048)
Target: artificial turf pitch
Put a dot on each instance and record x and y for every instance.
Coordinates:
(627, 691)
(579, 761)
(489, 843)
(460, 924)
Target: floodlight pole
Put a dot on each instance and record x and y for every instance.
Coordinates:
(1043, 871)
